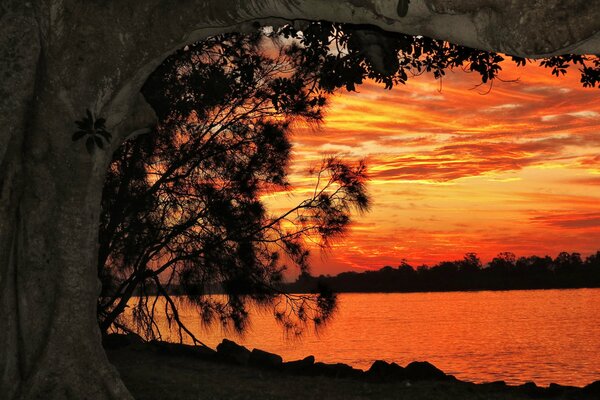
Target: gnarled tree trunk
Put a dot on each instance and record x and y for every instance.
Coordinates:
(61, 57)
(49, 341)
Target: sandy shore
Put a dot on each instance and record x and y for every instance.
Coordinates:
(168, 372)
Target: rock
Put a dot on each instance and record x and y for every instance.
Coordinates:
(422, 370)
(338, 370)
(202, 352)
(301, 367)
(116, 340)
(263, 359)
(569, 392)
(555, 390)
(531, 389)
(232, 352)
(492, 386)
(591, 391)
(382, 371)
(495, 383)
(529, 385)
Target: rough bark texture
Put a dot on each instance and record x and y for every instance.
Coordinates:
(19, 50)
(526, 27)
(61, 57)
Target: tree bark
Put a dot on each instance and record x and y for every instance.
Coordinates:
(50, 345)
(61, 57)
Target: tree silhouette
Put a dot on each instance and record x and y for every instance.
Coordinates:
(182, 212)
(471, 264)
(366, 52)
(503, 272)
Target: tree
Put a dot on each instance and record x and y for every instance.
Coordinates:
(59, 58)
(593, 261)
(183, 203)
(470, 264)
(568, 262)
(503, 262)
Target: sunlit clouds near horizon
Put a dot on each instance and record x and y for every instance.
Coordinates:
(456, 170)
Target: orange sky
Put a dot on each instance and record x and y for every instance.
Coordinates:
(456, 171)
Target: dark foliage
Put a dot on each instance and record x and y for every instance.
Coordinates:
(504, 272)
(182, 209)
(346, 55)
(94, 130)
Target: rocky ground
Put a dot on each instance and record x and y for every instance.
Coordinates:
(165, 371)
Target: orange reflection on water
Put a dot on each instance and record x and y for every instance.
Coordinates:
(517, 336)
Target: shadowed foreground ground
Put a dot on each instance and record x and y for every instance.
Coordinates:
(152, 373)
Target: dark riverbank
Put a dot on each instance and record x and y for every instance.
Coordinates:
(505, 272)
(566, 271)
(166, 371)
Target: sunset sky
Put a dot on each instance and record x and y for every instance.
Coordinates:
(458, 170)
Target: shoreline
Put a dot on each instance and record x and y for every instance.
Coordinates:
(453, 290)
(175, 294)
(224, 371)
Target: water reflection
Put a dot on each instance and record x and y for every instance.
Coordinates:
(536, 335)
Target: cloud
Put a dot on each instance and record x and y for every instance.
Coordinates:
(590, 161)
(569, 220)
(549, 90)
(560, 200)
(549, 117)
(585, 114)
(427, 97)
(455, 161)
(502, 107)
(584, 180)
(532, 148)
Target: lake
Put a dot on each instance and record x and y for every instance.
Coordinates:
(542, 336)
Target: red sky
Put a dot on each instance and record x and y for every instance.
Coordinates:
(456, 171)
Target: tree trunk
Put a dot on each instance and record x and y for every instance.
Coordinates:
(50, 345)
(59, 57)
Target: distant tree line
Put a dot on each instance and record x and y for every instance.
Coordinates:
(504, 272)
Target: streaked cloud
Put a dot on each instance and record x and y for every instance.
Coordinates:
(503, 107)
(573, 220)
(455, 171)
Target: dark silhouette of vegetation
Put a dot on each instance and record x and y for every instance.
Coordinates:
(344, 55)
(95, 131)
(504, 272)
(182, 209)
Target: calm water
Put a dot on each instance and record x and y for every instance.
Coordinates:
(516, 336)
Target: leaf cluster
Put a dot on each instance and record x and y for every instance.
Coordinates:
(94, 130)
(345, 55)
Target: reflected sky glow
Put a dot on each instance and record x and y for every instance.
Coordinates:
(516, 336)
